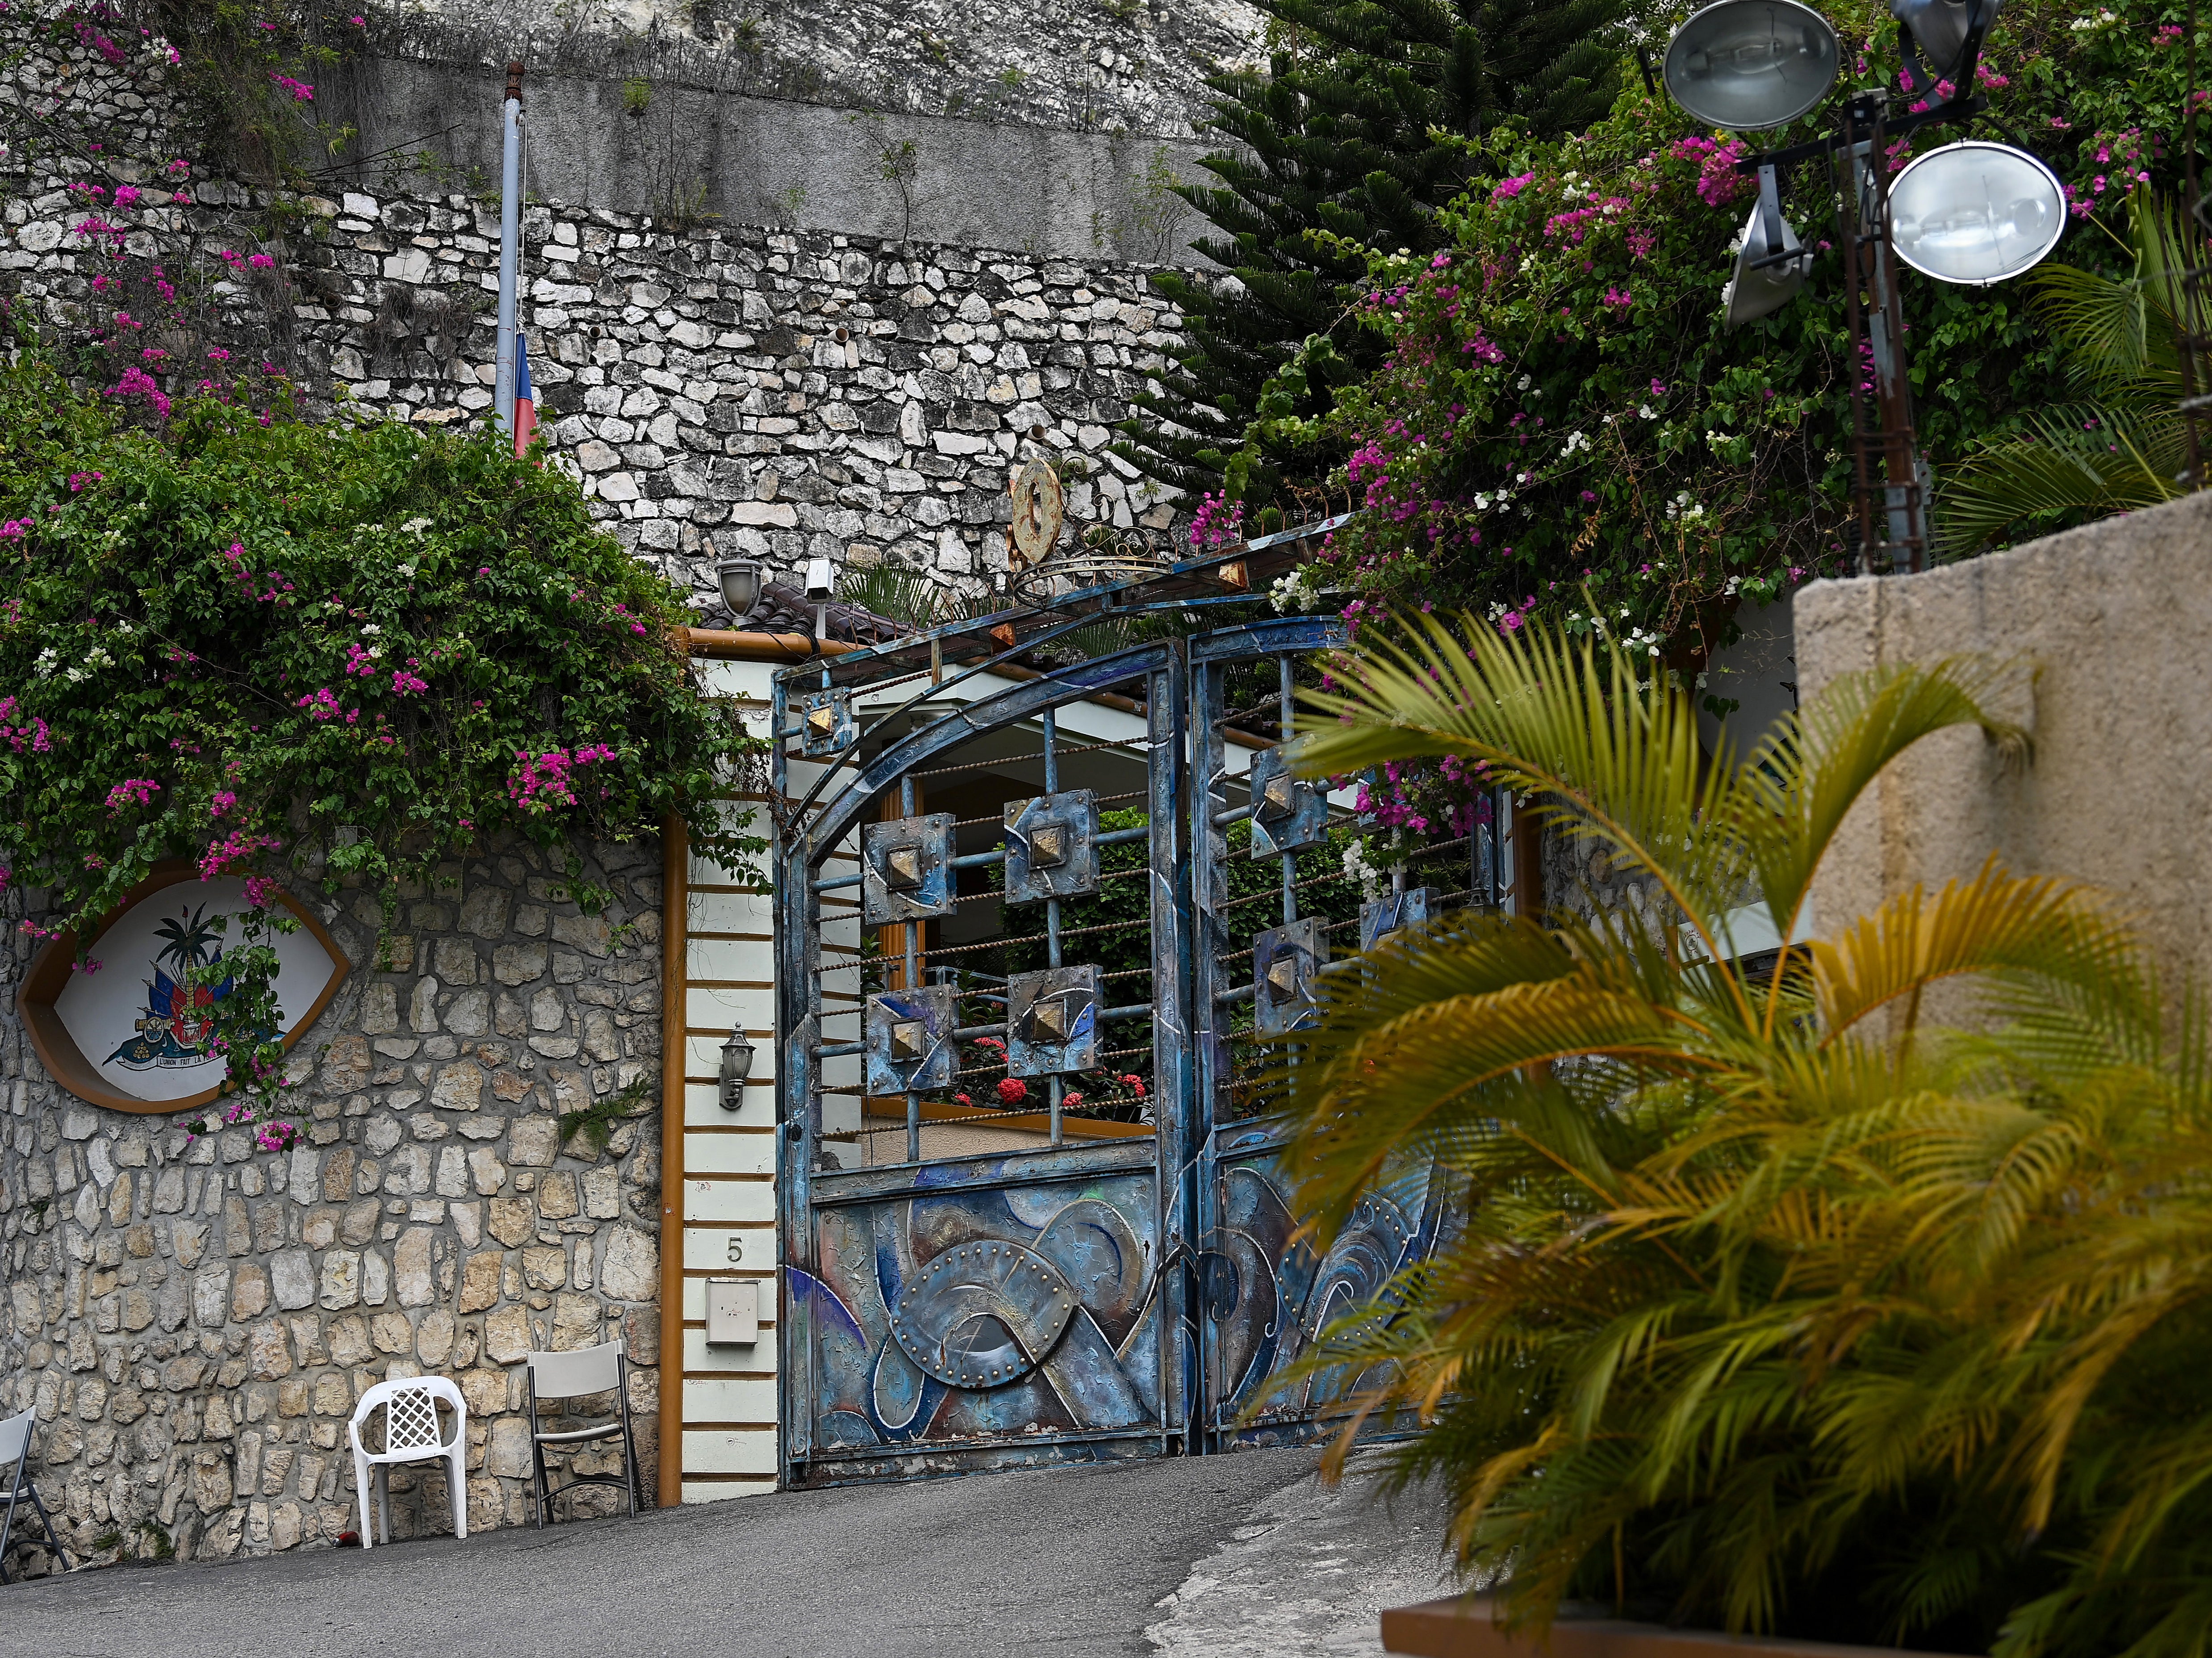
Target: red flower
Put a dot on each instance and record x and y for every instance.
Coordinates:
(1013, 1091)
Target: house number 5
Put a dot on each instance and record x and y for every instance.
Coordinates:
(737, 1250)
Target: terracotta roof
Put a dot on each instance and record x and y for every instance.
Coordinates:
(783, 609)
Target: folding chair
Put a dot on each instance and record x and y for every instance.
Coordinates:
(14, 1455)
(411, 1433)
(574, 1375)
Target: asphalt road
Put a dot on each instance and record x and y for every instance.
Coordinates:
(1070, 1561)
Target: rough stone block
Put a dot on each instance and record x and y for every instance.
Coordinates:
(631, 1270)
(341, 1280)
(531, 1142)
(459, 1087)
(411, 1267)
(513, 1221)
(483, 912)
(506, 1453)
(268, 1355)
(507, 1335)
(390, 1333)
(545, 1268)
(249, 1294)
(452, 1172)
(557, 1195)
(518, 964)
(479, 1284)
(211, 1298)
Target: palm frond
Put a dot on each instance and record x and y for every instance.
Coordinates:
(1761, 1284)
(2080, 461)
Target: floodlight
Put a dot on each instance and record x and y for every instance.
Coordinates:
(1771, 265)
(1750, 64)
(1939, 28)
(739, 580)
(1975, 212)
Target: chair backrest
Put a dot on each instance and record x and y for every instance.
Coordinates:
(16, 1437)
(571, 1376)
(410, 1413)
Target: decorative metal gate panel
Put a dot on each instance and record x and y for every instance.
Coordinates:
(1260, 958)
(1023, 1280)
(954, 1309)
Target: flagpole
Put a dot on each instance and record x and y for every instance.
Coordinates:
(510, 218)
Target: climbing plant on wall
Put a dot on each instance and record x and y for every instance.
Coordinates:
(323, 652)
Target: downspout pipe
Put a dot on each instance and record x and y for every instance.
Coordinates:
(510, 238)
(675, 1008)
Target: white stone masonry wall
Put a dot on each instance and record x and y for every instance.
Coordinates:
(721, 389)
(194, 1319)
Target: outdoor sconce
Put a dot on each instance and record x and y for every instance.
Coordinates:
(740, 579)
(737, 1064)
(821, 588)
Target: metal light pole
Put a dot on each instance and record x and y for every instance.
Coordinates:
(1896, 531)
(510, 237)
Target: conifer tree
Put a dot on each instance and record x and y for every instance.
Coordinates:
(1337, 135)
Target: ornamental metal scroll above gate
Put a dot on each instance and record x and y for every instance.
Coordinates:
(1042, 898)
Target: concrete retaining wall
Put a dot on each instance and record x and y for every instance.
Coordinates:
(2112, 622)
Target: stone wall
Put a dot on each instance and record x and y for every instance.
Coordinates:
(194, 1319)
(723, 389)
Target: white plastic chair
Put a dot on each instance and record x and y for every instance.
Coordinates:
(411, 1435)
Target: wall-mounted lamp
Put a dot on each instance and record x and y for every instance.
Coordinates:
(821, 588)
(740, 580)
(737, 1064)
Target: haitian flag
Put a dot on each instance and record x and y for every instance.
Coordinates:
(525, 411)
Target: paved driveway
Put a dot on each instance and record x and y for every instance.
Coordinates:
(1222, 1556)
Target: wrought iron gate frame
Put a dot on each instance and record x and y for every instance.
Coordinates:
(799, 910)
(1185, 766)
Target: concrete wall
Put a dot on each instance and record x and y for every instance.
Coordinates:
(1072, 195)
(2113, 620)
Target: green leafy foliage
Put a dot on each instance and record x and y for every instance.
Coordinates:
(330, 651)
(1779, 1304)
(593, 1125)
(1348, 131)
(1559, 406)
(2122, 449)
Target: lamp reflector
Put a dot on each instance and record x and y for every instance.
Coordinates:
(1750, 64)
(1975, 212)
(1939, 28)
(1756, 291)
(1771, 264)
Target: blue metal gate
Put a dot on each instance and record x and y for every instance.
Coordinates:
(1044, 1273)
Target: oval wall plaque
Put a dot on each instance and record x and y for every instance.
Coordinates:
(132, 1035)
